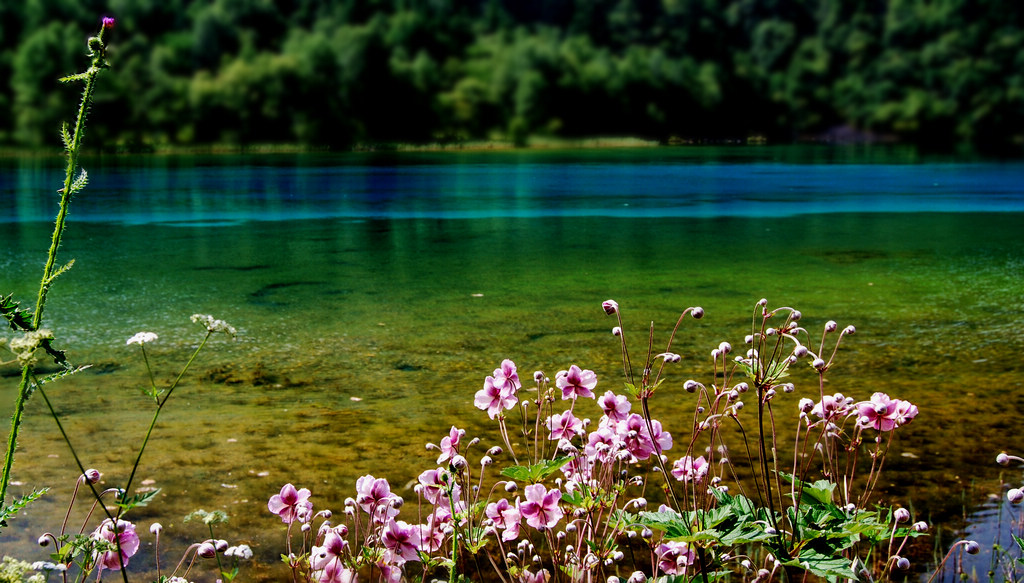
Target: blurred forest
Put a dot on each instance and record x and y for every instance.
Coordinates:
(342, 72)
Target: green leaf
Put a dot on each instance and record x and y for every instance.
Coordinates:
(80, 182)
(17, 317)
(822, 565)
(632, 390)
(537, 472)
(18, 504)
(76, 77)
(142, 499)
(1020, 541)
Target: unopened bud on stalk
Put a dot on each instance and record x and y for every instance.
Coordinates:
(690, 386)
(849, 330)
(831, 326)
(818, 364)
(920, 526)
(697, 313)
(1003, 459)
(796, 315)
(901, 515)
(610, 307)
(92, 475)
(206, 550)
(972, 547)
(1015, 495)
(902, 563)
(616, 331)
(725, 348)
(459, 462)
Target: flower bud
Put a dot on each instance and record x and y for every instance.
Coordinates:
(920, 526)
(459, 462)
(818, 364)
(1015, 495)
(511, 487)
(156, 528)
(616, 331)
(972, 547)
(697, 313)
(610, 307)
(92, 475)
(690, 386)
(849, 330)
(486, 460)
(1003, 459)
(800, 351)
(796, 315)
(901, 515)
(44, 541)
(637, 577)
(725, 348)
(538, 376)
(206, 550)
(902, 563)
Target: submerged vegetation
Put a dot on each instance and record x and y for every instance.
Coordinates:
(933, 72)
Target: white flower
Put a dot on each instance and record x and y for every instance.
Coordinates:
(240, 551)
(214, 325)
(142, 338)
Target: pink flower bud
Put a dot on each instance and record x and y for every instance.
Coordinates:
(901, 515)
(920, 526)
(972, 547)
(1015, 495)
(616, 331)
(206, 550)
(831, 326)
(108, 22)
(697, 313)
(156, 528)
(902, 563)
(92, 475)
(1003, 459)
(610, 307)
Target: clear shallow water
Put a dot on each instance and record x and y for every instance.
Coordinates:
(402, 280)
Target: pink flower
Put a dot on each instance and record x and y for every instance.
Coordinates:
(603, 444)
(291, 504)
(328, 558)
(541, 576)
(506, 379)
(576, 383)
(432, 533)
(401, 542)
(505, 517)
(541, 507)
(450, 444)
(434, 489)
(878, 413)
(493, 399)
(687, 469)
(905, 412)
(615, 407)
(124, 535)
(564, 426)
(830, 407)
(674, 557)
(374, 496)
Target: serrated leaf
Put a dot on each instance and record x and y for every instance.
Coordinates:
(537, 472)
(11, 510)
(65, 136)
(80, 182)
(17, 317)
(822, 565)
(75, 77)
(142, 499)
(632, 390)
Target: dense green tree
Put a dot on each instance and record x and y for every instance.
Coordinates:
(339, 72)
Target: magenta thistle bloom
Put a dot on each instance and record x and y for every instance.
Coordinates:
(564, 426)
(505, 517)
(615, 407)
(450, 444)
(291, 504)
(576, 383)
(401, 542)
(541, 507)
(124, 535)
(674, 557)
(688, 469)
(493, 399)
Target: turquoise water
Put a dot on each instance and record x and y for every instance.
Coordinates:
(373, 292)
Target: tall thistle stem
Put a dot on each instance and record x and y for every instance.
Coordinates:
(72, 145)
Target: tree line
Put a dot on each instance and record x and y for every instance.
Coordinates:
(342, 72)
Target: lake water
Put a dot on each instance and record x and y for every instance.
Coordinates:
(373, 292)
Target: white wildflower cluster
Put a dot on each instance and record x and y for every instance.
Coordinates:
(214, 325)
(142, 338)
